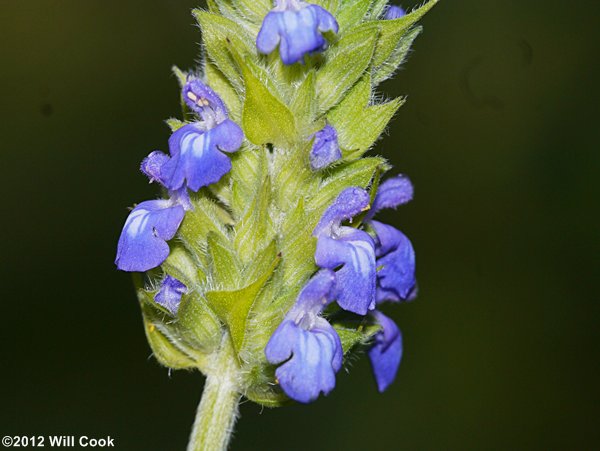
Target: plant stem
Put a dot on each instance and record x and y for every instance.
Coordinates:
(218, 407)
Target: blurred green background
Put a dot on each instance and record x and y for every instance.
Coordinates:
(500, 136)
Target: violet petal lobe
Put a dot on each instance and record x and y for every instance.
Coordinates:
(386, 352)
(142, 244)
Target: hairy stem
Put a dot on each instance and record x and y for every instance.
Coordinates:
(218, 407)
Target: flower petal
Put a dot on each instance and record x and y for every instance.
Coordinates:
(325, 149)
(396, 260)
(142, 245)
(314, 358)
(203, 100)
(391, 194)
(348, 204)
(325, 20)
(268, 36)
(307, 345)
(316, 294)
(227, 136)
(386, 352)
(394, 12)
(297, 28)
(196, 157)
(354, 251)
(152, 165)
(170, 293)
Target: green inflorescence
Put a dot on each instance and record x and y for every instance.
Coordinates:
(246, 249)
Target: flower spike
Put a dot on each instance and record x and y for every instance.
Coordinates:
(264, 269)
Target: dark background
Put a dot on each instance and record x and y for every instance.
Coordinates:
(500, 136)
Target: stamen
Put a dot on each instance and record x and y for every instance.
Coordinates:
(192, 96)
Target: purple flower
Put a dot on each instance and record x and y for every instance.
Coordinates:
(396, 260)
(394, 251)
(196, 149)
(170, 293)
(297, 27)
(325, 149)
(386, 352)
(307, 344)
(348, 250)
(143, 242)
(197, 157)
(394, 12)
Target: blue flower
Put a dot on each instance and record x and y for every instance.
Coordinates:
(297, 27)
(348, 250)
(308, 346)
(394, 251)
(196, 149)
(170, 293)
(386, 352)
(325, 149)
(394, 12)
(197, 157)
(143, 242)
